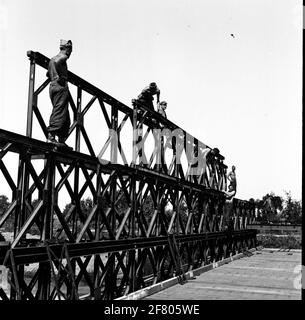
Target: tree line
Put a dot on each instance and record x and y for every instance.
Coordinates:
(270, 209)
(276, 209)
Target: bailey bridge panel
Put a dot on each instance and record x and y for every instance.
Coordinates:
(149, 221)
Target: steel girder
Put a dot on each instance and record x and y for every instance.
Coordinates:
(188, 158)
(150, 220)
(70, 250)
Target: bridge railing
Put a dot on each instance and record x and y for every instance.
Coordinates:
(134, 212)
(150, 218)
(175, 152)
(109, 107)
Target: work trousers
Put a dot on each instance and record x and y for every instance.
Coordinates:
(60, 119)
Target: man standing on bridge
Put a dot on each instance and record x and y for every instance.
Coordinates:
(230, 193)
(146, 96)
(232, 178)
(59, 94)
(162, 107)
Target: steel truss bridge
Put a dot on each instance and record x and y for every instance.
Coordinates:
(153, 216)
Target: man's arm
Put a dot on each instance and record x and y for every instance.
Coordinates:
(229, 176)
(158, 107)
(144, 93)
(158, 95)
(52, 72)
(230, 194)
(60, 67)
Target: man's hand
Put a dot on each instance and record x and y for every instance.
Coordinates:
(61, 82)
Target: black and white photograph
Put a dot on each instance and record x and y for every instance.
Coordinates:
(150, 153)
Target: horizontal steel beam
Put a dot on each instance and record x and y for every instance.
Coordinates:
(27, 255)
(36, 147)
(43, 61)
(168, 124)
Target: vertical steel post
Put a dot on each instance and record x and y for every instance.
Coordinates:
(44, 278)
(110, 280)
(78, 115)
(195, 165)
(134, 135)
(113, 159)
(158, 201)
(176, 145)
(159, 147)
(132, 253)
(29, 125)
(77, 200)
(23, 175)
(48, 197)
(114, 135)
(96, 274)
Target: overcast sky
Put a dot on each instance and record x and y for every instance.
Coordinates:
(242, 94)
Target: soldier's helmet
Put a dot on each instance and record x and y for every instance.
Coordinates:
(65, 44)
(163, 104)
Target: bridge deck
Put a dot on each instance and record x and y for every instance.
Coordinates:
(265, 275)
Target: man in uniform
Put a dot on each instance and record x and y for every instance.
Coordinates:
(230, 193)
(232, 178)
(228, 212)
(146, 96)
(161, 108)
(59, 94)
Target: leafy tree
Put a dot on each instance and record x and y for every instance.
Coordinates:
(270, 204)
(4, 204)
(85, 204)
(34, 230)
(268, 208)
(148, 208)
(292, 211)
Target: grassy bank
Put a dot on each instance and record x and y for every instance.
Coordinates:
(280, 241)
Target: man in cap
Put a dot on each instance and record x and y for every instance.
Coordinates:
(230, 193)
(211, 155)
(146, 96)
(59, 94)
(162, 107)
(232, 178)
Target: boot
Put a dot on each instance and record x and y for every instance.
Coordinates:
(51, 138)
(62, 142)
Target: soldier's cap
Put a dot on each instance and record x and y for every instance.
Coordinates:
(153, 84)
(65, 43)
